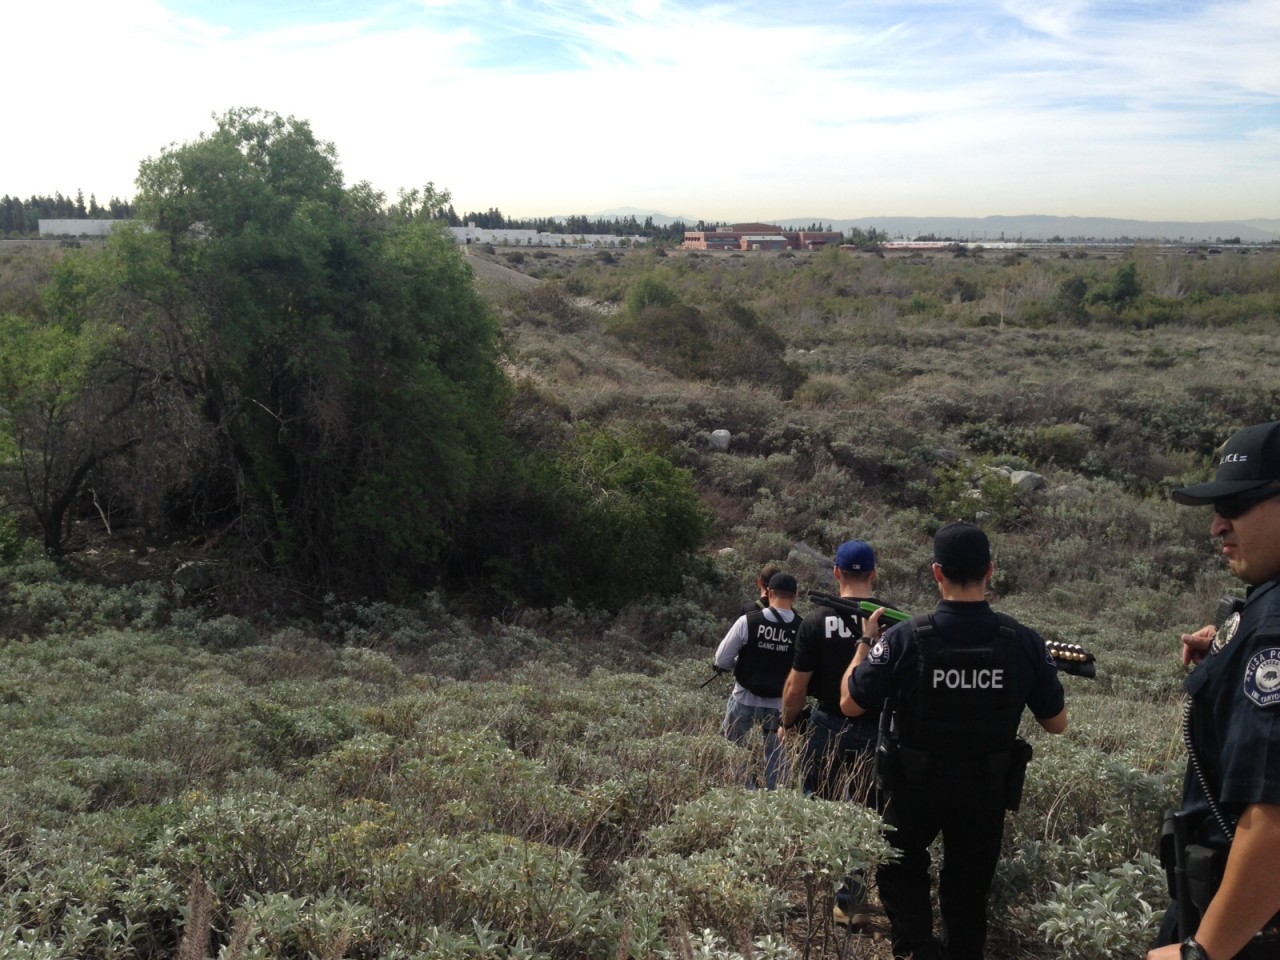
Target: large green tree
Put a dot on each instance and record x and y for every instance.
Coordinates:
(343, 366)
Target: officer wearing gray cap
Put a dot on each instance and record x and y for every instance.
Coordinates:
(1226, 839)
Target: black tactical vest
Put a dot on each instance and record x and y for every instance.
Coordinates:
(765, 659)
(965, 699)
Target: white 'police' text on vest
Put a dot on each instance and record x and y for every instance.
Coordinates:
(969, 679)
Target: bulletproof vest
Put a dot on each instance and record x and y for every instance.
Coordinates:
(965, 698)
(765, 659)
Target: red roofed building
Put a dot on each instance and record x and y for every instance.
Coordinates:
(758, 236)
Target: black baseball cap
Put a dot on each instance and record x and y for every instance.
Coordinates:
(1249, 460)
(783, 583)
(961, 546)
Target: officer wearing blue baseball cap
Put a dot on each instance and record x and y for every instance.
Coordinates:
(838, 754)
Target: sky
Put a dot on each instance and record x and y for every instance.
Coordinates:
(723, 111)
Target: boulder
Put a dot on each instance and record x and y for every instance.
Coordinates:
(1027, 481)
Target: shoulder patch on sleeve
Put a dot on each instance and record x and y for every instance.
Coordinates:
(1262, 678)
(879, 653)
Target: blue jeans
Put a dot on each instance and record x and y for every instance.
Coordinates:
(837, 762)
(739, 719)
(838, 758)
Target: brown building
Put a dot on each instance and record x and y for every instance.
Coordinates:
(758, 236)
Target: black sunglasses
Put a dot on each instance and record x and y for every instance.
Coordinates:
(1237, 505)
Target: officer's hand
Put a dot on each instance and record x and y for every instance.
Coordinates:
(1171, 952)
(871, 626)
(1195, 646)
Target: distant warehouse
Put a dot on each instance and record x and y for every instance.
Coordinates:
(77, 228)
(759, 236)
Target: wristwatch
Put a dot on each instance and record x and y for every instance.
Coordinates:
(1192, 950)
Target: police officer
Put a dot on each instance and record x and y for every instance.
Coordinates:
(758, 648)
(762, 584)
(1231, 795)
(836, 757)
(956, 680)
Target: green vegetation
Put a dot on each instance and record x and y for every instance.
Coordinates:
(592, 516)
(623, 227)
(720, 341)
(302, 370)
(375, 624)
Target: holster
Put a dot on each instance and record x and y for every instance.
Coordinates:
(896, 765)
(887, 769)
(1019, 757)
(1193, 871)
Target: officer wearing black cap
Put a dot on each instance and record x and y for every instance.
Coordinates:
(956, 681)
(836, 757)
(758, 649)
(1226, 848)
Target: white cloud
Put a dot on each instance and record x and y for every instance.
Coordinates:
(723, 111)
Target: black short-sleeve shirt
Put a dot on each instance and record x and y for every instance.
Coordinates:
(825, 646)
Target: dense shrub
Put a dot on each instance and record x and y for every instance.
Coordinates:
(603, 519)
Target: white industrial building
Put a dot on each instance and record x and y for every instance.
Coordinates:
(77, 228)
(467, 234)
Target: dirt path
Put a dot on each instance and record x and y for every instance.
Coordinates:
(497, 278)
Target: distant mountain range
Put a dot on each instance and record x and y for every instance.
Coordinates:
(1030, 227)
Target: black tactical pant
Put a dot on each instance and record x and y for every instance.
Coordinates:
(968, 810)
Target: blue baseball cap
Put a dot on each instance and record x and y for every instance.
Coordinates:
(856, 556)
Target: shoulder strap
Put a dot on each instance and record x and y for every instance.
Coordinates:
(922, 624)
(1008, 625)
(923, 630)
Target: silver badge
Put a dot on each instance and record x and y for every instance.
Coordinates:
(1225, 632)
